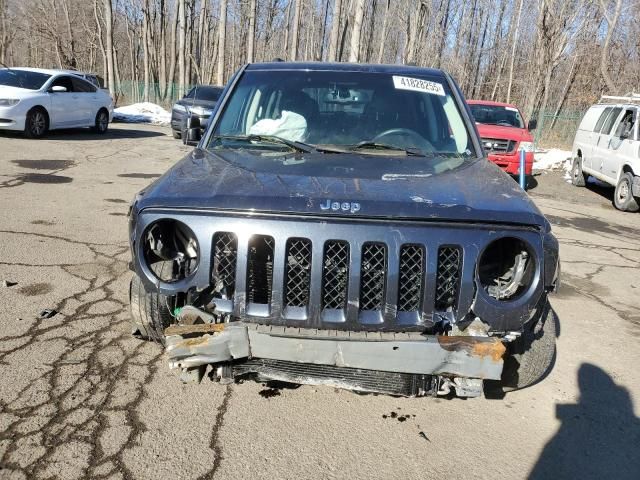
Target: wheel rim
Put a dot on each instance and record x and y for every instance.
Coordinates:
(37, 123)
(103, 121)
(623, 191)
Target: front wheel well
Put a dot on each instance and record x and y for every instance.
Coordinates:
(627, 169)
(39, 107)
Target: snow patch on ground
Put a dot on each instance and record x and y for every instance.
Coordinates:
(142, 113)
(552, 159)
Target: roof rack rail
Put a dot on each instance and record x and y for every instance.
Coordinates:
(628, 98)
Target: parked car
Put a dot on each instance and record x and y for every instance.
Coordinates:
(92, 78)
(36, 100)
(504, 132)
(340, 224)
(607, 147)
(198, 102)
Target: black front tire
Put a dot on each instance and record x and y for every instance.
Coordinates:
(150, 313)
(37, 123)
(530, 358)
(623, 198)
(578, 177)
(101, 124)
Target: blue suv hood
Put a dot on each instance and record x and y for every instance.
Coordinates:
(383, 187)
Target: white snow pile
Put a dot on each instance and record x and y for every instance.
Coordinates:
(145, 112)
(552, 159)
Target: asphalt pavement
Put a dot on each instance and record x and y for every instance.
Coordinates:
(81, 398)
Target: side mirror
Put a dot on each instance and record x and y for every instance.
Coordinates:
(58, 89)
(193, 133)
(533, 124)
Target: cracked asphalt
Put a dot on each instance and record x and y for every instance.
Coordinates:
(81, 398)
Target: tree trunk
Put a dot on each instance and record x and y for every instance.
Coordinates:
(293, 54)
(514, 46)
(354, 49)
(335, 31)
(383, 34)
(182, 38)
(108, 20)
(251, 41)
(612, 21)
(145, 48)
(222, 31)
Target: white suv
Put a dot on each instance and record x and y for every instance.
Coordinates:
(607, 147)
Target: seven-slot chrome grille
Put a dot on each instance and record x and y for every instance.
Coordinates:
(375, 273)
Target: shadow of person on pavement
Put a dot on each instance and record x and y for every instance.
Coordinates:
(599, 436)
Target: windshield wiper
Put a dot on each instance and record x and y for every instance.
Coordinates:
(298, 146)
(370, 145)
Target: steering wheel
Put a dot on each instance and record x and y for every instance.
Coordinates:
(418, 140)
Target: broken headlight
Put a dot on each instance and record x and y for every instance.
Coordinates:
(506, 268)
(170, 250)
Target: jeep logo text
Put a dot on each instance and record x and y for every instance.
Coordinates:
(351, 207)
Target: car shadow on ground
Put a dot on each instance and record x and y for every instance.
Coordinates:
(605, 191)
(75, 134)
(599, 437)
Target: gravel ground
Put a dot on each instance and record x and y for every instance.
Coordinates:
(80, 398)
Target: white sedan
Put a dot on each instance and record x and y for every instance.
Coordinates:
(36, 100)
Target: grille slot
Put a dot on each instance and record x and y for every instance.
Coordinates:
(448, 277)
(223, 271)
(298, 272)
(373, 273)
(335, 274)
(498, 145)
(411, 282)
(260, 269)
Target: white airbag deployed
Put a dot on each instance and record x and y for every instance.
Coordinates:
(290, 126)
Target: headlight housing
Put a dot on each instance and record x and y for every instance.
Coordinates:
(200, 111)
(8, 102)
(170, 250)
(179, 108)
(526, 146)
(506, 268)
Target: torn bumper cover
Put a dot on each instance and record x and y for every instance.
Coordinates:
(192, 346)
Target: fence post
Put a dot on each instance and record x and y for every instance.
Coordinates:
(522, 169)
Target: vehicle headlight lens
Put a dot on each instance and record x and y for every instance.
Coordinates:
(170, 250)
(526, 146)
(179, 108)
(506, 268)
(8, 102)
(200, 111)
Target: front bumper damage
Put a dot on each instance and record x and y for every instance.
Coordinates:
(396, 363)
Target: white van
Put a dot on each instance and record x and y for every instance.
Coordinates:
(607, 147)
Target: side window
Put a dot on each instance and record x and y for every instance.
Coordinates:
(603, 117)
(608, 125)
(624, 129)
(82, 86)
(63, 82)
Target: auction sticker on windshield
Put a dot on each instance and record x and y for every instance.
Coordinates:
(418, 85)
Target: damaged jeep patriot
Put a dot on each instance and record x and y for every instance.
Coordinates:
(340, 224)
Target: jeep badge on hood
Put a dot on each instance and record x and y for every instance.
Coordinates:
(351, 207)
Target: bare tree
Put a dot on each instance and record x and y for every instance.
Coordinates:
(108, 20)
(222, 29)
(252, 30)
(612, 20)
(335, 31)
(354, 49)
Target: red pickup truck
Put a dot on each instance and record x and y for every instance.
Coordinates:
(504, 132)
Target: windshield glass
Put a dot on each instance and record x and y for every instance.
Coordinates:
(23, 79)
(204, 93)
(497, 115)
(373, 113)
